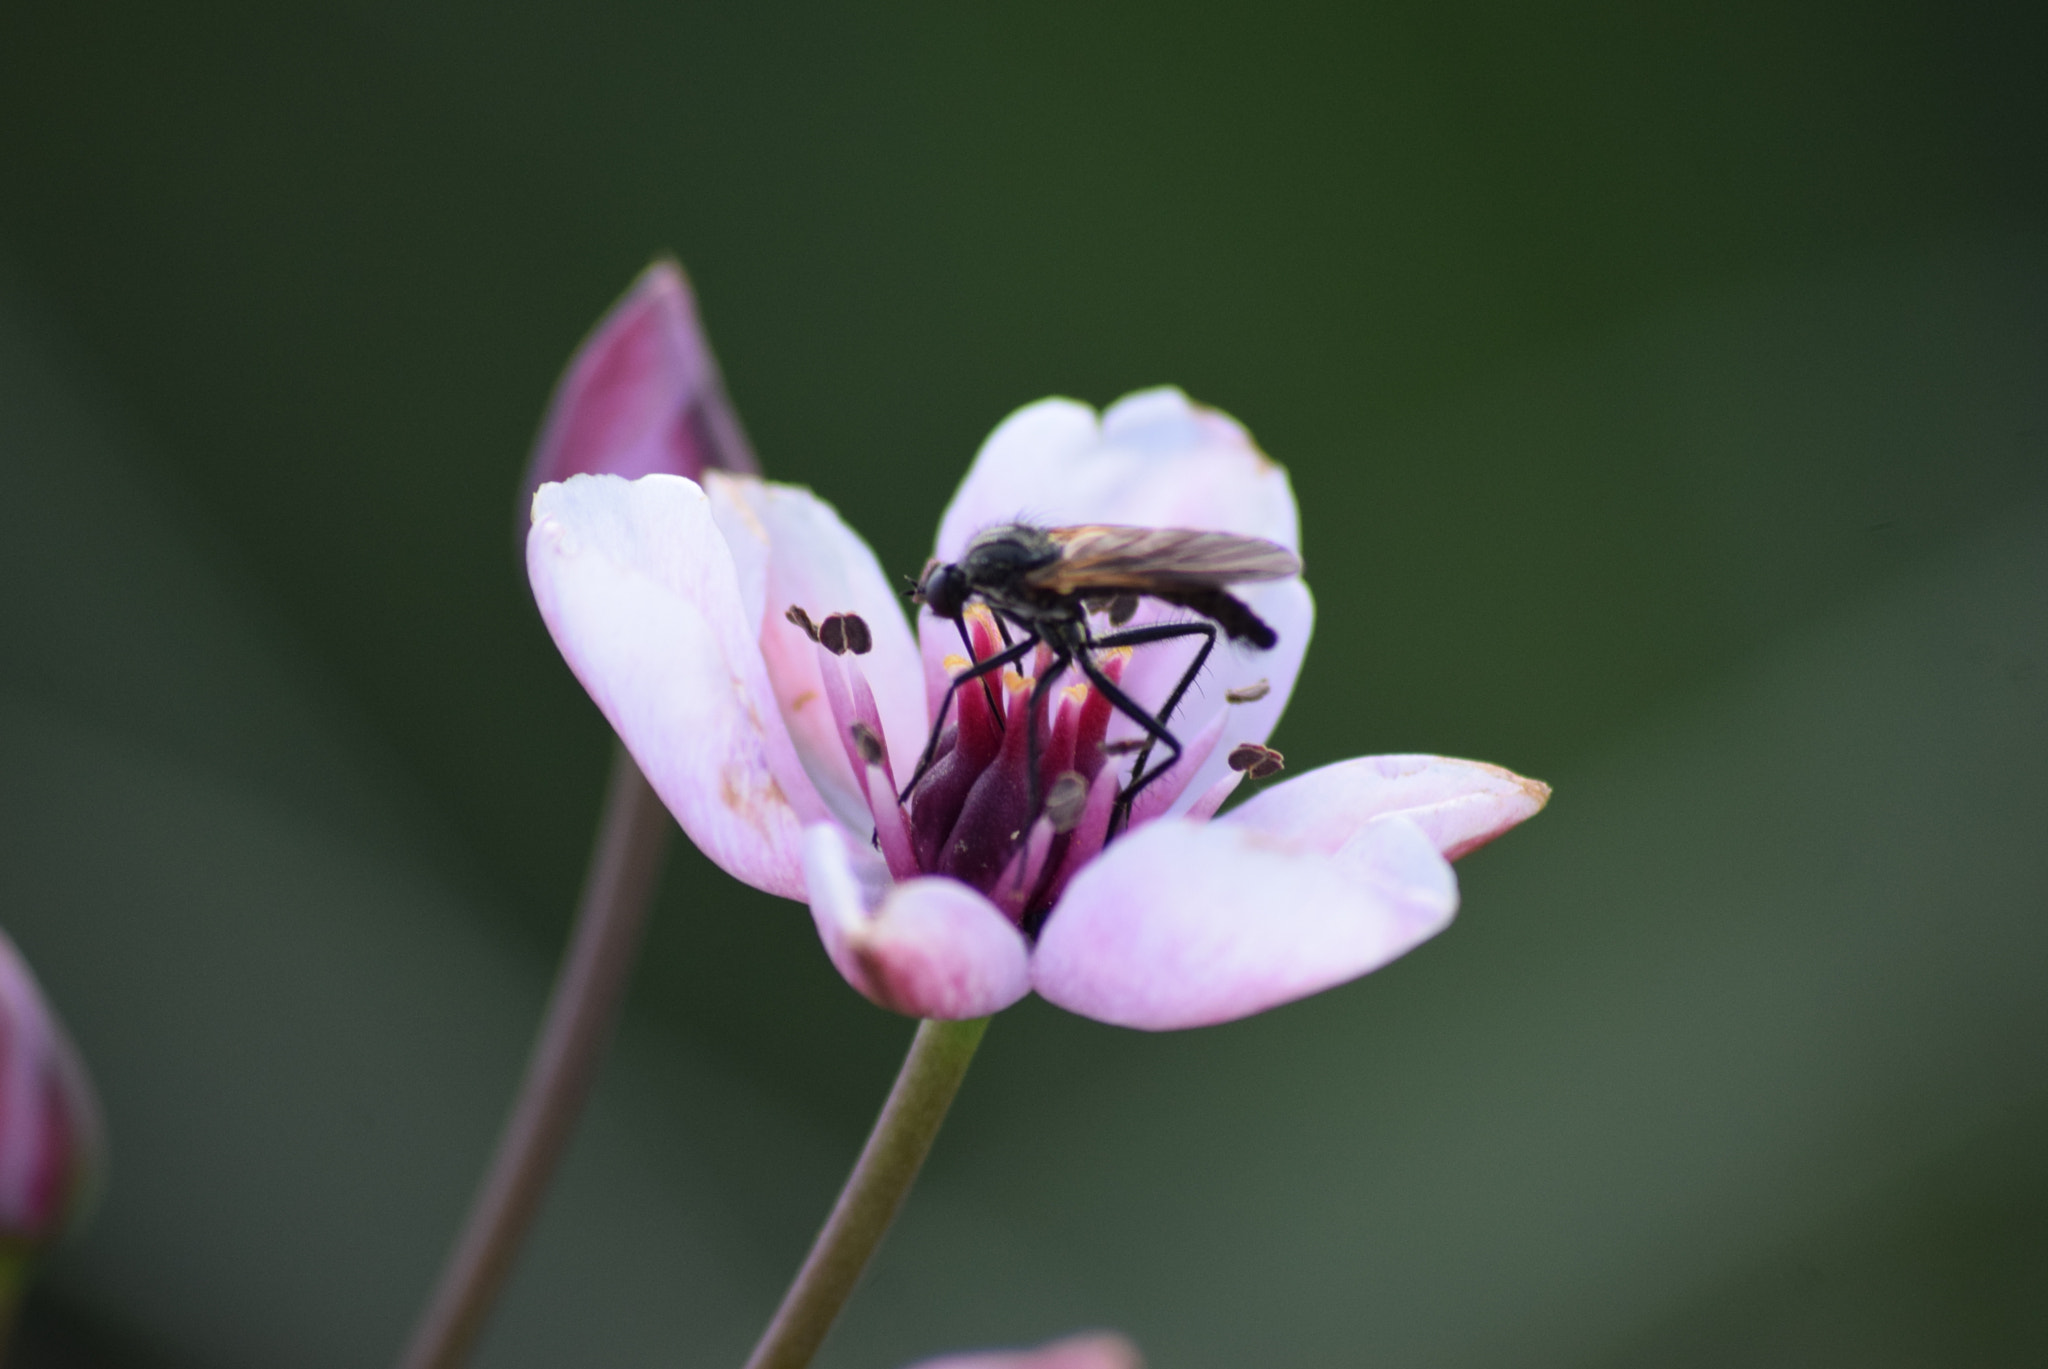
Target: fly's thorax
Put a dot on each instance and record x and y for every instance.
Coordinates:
(997, 557)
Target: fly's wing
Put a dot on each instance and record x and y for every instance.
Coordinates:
(1104, 556)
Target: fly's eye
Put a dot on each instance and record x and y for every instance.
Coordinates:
(944, 590)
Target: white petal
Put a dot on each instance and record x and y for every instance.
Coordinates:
(1013, 473)
(643, 599)
(926, 948)
(1184, 924)
(800, 552)
(1154, 459)
(1459, 804)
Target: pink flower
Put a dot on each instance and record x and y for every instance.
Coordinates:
(693, 615)
(50, 1134)
(642, 395)
(1096, 1350)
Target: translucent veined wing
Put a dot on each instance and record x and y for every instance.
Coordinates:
(1098, 556)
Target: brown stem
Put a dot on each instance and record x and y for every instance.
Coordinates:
(888, 1165)
(632, 839)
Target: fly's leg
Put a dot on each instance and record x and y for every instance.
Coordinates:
(1155, 731)
(1139, 636)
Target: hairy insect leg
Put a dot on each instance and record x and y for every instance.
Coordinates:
(1166, 632)
(977, 671)
(1155, 731)
(1139, 636)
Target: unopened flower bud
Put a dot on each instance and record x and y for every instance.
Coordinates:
(50, 1133)
(642, 395)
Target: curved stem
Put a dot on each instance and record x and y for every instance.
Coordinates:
(888, 1165)
(632, 838)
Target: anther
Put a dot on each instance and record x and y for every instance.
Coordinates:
(859, 640)
(1248, 694)
(832, 634)
(867, 743)
(1124, 747)
(1258, 762)
(803, 620)
(1066, 801)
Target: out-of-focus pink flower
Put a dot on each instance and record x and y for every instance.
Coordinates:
(50, 1133)
(693, 615)
(1095, 1350)
(643, 394)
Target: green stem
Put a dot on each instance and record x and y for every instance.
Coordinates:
(632, 838)
(888, 1165)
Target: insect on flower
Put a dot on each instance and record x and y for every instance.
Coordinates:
(748, 649)
(1047, 582)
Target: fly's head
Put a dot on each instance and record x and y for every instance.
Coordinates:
(943, 590)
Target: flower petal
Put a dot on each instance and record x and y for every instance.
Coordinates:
(641, 595)
(1093, 1350)
(1154, 458)
(1184, 924)
(1460, 805)
(926, 948)
(804, 554)
(642, 394)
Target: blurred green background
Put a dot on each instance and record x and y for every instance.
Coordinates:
(1666, 391)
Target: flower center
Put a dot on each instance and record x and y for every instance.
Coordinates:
(980, 813)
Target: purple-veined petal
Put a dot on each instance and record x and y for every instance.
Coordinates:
(928, 947)
(1184, 924)
(1093, 1350)
(795, 547)
(1460, 805)
(641, 595)
(642, 394)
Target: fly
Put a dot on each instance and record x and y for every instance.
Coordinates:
(1046, 582)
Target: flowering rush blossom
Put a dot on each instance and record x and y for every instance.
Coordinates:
(754, 659)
